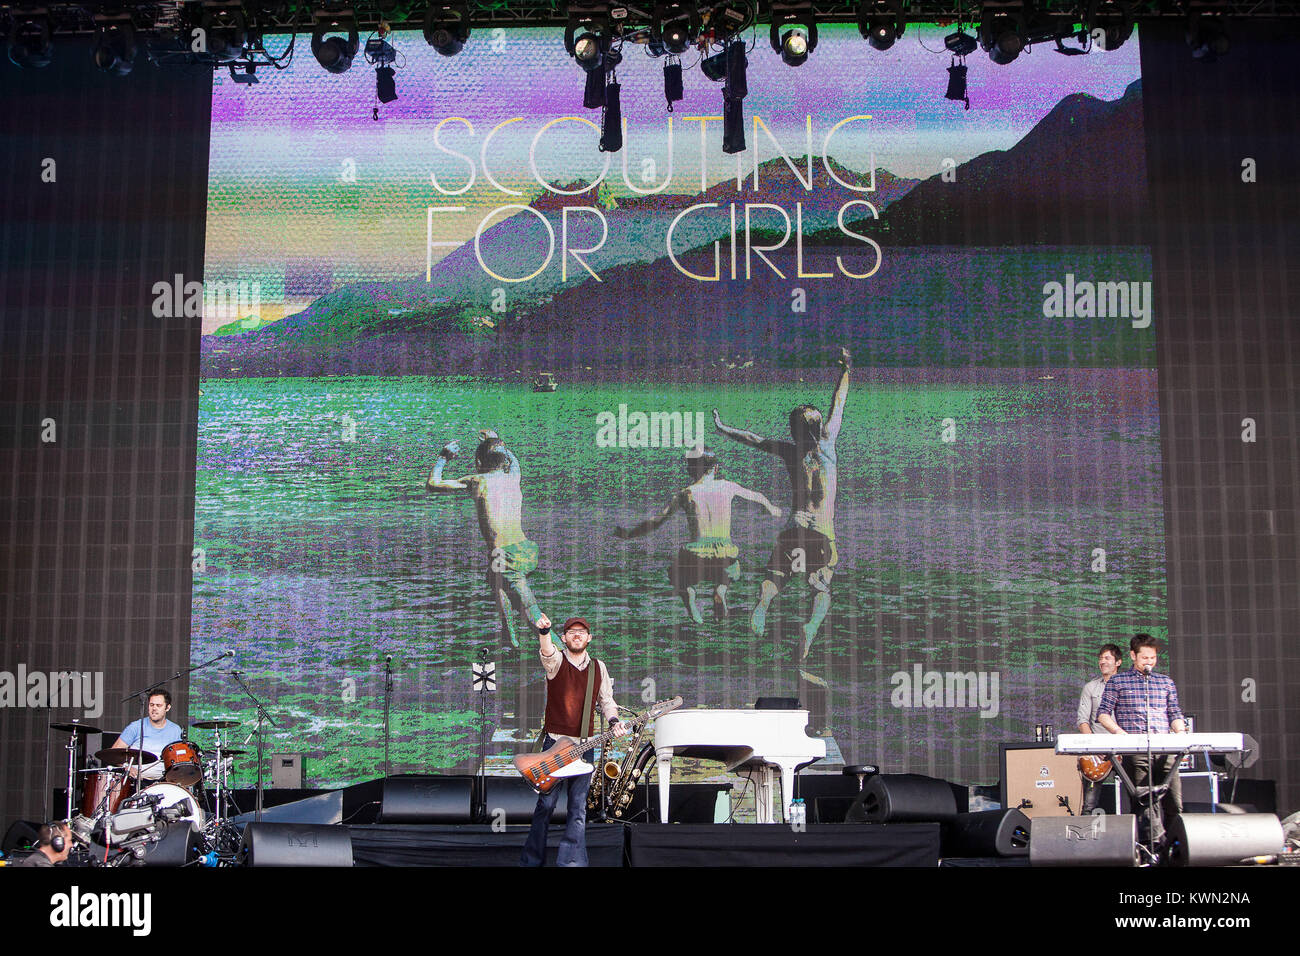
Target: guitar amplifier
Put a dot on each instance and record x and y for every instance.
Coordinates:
(1035, 780)
(287, 772)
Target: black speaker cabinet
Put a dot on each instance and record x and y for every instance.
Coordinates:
(426, 799)
(180, 846)
(1092, 840)
(990, 833)
(903, 798)
(514, 796)
(290, 844)
(1223, 839)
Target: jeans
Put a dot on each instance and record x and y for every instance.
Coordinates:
(1092, 793)
(1171, 804)
(573, 846)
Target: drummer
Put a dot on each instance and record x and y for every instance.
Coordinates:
(158, 733)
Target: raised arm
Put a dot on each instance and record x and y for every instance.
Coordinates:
(746, 438)
(645, 527)
(740, 491)
(840, 395)
(437, 484)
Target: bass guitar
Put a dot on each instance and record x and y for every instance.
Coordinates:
(564, 757)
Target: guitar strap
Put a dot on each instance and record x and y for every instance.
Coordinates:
(592, 664)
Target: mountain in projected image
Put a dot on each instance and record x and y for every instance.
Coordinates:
(1078, 177)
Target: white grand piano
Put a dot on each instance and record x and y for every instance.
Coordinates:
(755, 743)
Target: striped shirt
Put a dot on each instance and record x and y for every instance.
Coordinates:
(1126, 698)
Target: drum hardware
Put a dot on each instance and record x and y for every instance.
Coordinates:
(74, 727)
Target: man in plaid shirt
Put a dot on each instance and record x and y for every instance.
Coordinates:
(1138, 701)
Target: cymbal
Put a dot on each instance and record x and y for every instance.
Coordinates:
(119, 756)
(77, 728)
(214, 724)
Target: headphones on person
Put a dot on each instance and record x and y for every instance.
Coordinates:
(52, 836)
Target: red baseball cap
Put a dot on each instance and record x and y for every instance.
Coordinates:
(573, 621)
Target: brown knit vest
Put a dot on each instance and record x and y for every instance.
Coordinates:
(565, 693)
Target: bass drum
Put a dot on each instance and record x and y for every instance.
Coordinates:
(173, 798)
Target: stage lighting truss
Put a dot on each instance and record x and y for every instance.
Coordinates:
(332, 51)
(446, 27)
(881, 22)
(115, 48)
(793, 33)
(30, 45)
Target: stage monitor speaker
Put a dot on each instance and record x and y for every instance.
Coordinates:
(1035, 778)
(427, 799)
(292, 844)
(1092, 840)
(21, 835)
(1223, 839)
(518, 800)
(287, 772)
(181, 845)
(989, 833)
(903, 798)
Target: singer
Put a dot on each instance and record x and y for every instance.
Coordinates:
(1140, 701)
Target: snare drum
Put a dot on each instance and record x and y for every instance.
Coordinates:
(104, 791)
(182, 764)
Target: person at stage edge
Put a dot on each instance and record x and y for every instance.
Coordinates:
(53, 843)
(566, 692)
(1128, 698)
(158, 733)
(1108, 663)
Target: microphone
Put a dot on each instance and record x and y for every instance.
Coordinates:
(230, 653)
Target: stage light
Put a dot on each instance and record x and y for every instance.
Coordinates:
(381, 55)
(586, 50)
(1000, 38)
(715, 66)
(226, 30)
(673, 90)
(675, 27)
(881, 22)
(114, 50)
(1109, 23)
(30, 45)
(793, 33)
(333, 52)
(446, 27)
(1207, 36)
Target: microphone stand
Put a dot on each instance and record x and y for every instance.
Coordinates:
(1151, 775)
(143, 694)
(262, 716)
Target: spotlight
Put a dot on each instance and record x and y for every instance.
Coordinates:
(1000, 38)
(29, 42)
(881, 22)
(335, 53)
(586, 50)
(1207, 36)
(226, 31)
(446, 27)
(715, 66)
(1109, 23)
(794, 32)
(676, 27)
(115, 46)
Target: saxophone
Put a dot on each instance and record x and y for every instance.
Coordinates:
(619, 778)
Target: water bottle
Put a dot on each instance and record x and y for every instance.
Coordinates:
(798, 813)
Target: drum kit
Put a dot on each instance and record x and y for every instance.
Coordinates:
(134, 798)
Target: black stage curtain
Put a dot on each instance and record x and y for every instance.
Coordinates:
(387, 845)
(844, 844)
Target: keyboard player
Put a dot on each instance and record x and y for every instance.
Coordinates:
(1139, 701)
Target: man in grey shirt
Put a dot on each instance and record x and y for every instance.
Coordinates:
(1108, 663)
